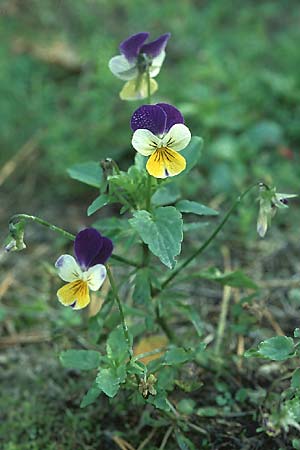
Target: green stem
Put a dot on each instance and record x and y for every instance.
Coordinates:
(148, 85)
(164, 326)
(117, 298)
(149, 192)
(209, 240)
(18, 217)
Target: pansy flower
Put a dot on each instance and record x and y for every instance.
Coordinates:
(159, 132)
(269, 202)
(86, 271)
(136, 58)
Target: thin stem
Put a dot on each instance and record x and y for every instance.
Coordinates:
(164, 326)
(18, 217)
(208, 241)
(224, 306)
(149, 192)
(117, 298)
(157, 351)
(148, 85)
(222, 319)
(125, 261)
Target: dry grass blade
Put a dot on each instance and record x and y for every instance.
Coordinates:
(22, 154)
(122, 444)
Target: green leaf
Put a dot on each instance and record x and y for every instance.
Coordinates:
(296, 379)
(80, 359)
(186, 206)
(183, 442)
(296, 444)
(161, 231)
(91, 395)
(186, 406)
(89, 172)
(97, 204)
(208, 411)
(108, 381)
(142, 289)
(166, 194)
(176, 355)
(192, 315)
(233, 279)
(192, 154)
(160, 401)
(192, 226)
(140, 161)
(278, 348)
(116, 346)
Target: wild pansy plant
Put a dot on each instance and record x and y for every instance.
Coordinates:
(147, 236)
(138, 64)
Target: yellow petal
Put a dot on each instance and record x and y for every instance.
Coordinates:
(165, 162)
(137, 89)
(76, 292)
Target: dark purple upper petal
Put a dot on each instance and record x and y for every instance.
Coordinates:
(154, 48)
(150, 117)
(173, 115)
(130, 48)
(105, 252)
(89, 245)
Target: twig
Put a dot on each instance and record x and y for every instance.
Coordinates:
(166, 438)
(5, 284)
(273, 284)
(276, 327)
(122, 444)
(17, 339)
(224, 304)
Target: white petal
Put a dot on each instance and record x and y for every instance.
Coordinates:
(67, 268)
(145, 142)
(177, 138)
(95, 277)
(156, 64)
(122, 68)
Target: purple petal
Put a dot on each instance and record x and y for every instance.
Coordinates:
(173, 115)
(104, 254)
(130, 48)
(149, 117)
(88, 244)
(154, 48)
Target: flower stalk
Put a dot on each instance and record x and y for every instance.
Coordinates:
(209, 240)
(26, 217)
(122, 316)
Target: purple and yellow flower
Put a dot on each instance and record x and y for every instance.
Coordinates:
(135, 60)
(86, 271)
(159, 132)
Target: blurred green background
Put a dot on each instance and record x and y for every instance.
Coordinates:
(233, 68)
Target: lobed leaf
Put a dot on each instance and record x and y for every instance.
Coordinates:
(161, 231)
(278, 348)
(89, 172)
(80, 359)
